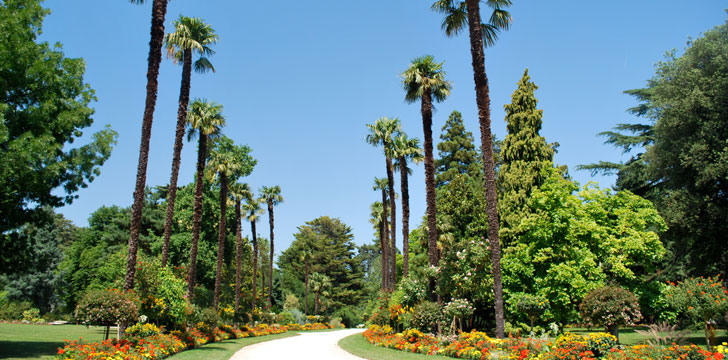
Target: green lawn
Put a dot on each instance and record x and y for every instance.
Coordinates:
(629, 336)
(24, 341)
(225, 349)
(359, 346)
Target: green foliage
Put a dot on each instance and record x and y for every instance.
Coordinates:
(680, 158)
(701, 299)
(351, 316)
(39, 125)
(162, 294)
(285, 318)
(413, 290)
(426, 316)
(12, 310)
(107, 307)
(610, 306)
(531, 306)
(457, 153)
(141, 330)
(327, 245)
(573, 242)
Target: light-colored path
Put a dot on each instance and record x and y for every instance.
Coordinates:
(317, 345)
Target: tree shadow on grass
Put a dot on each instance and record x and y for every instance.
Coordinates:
(28, 349)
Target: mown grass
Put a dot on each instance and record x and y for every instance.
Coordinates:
(25, 341)
(223, 350)
(359, 346)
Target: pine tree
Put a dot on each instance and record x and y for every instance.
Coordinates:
(524, 154)
(457, 152)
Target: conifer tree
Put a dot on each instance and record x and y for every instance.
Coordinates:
(524, 154)
(457, 152)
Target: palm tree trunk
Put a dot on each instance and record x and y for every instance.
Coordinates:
(221, 236)
(405, 214)
(262, 278)
(270, 274)
(184, 99)
(197, 214)
(482, 97)
(385, 263)
(316, 304)
(385, 243)
(255, 264)
(239, 257)
(305, 294)
(393, 224)
(159, 10)
(430, 187)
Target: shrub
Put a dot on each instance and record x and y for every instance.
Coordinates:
(703, 300)
(413, 291)
(610, 307)
(32, 315)
(285, 318)
(141, 330)
(14, 310)
(299, 316)
(426, 316)
(206, 321)
(532, 306)
(350, 316)
(107, 307)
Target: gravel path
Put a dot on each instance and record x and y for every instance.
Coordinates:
(318, 346)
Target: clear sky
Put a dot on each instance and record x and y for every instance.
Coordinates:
(300, 79)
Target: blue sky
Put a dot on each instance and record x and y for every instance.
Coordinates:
(300, 79)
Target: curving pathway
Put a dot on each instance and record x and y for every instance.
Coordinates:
(317, 345)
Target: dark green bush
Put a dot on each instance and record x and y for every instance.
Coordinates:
(426, 316)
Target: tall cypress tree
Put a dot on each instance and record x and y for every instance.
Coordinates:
(457, 152)
(524, 154)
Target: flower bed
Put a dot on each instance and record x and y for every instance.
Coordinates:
(146, 342)
(478, 346)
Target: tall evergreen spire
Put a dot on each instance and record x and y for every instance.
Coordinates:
(524, 154)
(457, 152)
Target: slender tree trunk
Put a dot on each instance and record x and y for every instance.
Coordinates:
(482, 97)
(262, 277)
(430, 187)
(384, 261)
(159, 10)
(184, 99)
(405, 214)
(305, 295)
(221, 236)
(239, 257)
(270, 274)
(255, 264)
(197, 214)
(316, 304)
(393, 225)
(385, 245)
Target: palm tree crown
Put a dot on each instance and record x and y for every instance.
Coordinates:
(204, 118)
(194, 35)
(271, 194)
(425, 75)
(382, 131)
(456, 18)
(408, 149)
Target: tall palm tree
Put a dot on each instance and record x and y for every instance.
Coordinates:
(424, 80)
(222, 163)
(159, 11)
(205, 120)
(272, 197)
(382, 184)
(253, 211)
(381, 133)
(377, 219)
(459, 14)
(191, 36)
(404, 148)
(238, 193)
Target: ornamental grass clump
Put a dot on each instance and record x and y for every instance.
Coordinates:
(610, 307)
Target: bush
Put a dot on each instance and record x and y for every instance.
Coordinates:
(532, 306)
(299, 316)
(426, 316)
(206, 321)
(610, 307)
(32, 315)
(13, 310)
(141, 330)
(703, 300)
(350, 316)
(107, 307)
(285, 318)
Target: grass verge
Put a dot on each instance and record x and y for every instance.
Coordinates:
(25, 341)
(223, 350)
(358, 345)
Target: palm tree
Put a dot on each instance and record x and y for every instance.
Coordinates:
(253, 211)
(424, 80)
(377, 219)
(458, 14)
(320, 284)
(159, 11)
(404, 148)
(222, 163)
(382, 184)
(381, 132)
(272, 197)
(238, 193)
(191, 36)
(205, 120)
